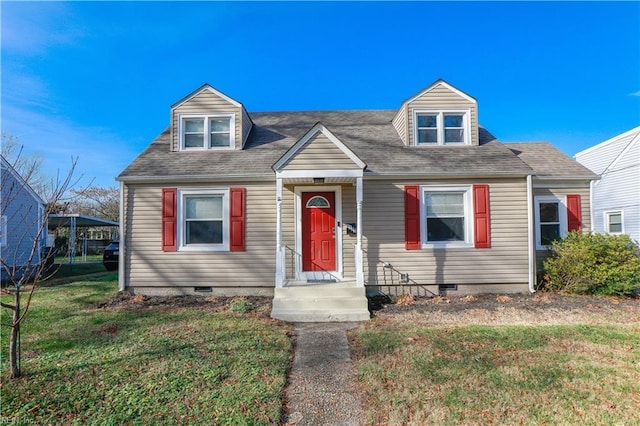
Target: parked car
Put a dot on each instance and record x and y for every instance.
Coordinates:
(110, 256)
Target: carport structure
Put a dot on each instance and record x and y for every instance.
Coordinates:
(73, 222)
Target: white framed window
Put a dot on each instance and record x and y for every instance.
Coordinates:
(446, 216)
(203, 220)
(551, 220)
(613, 222)
(212, 131)
(448, 127)
(3, 231)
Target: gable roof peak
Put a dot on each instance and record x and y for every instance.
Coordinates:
(319, 127)
(210, 88)
(440, 82)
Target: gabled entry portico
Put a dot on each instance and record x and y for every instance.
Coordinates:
(316, 177)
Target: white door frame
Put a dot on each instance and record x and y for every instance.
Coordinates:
(298, 190)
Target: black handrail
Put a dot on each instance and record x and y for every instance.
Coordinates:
(403, 278)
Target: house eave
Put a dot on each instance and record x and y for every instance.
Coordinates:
(196, 178)
(565, 178)
(409, 175)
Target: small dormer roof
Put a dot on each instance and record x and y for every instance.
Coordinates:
(439, 82)
(206, 87)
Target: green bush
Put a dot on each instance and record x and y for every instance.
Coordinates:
(594, 264)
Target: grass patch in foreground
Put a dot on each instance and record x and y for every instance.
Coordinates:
(158, 365)
(499, 375)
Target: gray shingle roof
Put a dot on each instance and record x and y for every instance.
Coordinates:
(549, 162)
(369, 134)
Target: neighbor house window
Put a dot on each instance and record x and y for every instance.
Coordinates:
(3, 231)
(207, 132)
(204, 220)
(613, 222)
(441, 127)
(446, 216)
(551, 220)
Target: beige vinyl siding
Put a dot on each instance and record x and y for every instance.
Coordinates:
(204, 103)
(148, 266)
(400, 123)
(246, 126)
(441, 98)
(585, 201)
(289, 229)
(320, 154)
(504, 264)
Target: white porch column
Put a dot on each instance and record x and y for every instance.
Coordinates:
(279, 248)
(358, 248)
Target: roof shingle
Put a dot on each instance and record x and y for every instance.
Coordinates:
(369, 134)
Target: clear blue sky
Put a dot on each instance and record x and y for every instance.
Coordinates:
(96, 79)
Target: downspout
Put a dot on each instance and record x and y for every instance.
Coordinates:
(531, 235)
(121, 239)
(592, 184)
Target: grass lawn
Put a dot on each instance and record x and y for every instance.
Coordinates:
(152, 365)
(67, 270)
(553, 374)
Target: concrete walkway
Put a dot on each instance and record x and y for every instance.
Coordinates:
(321, 389)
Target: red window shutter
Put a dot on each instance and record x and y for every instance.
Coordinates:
(412, 217)
(238, 217)
(574, 214)
(481, 216)
(169, 242)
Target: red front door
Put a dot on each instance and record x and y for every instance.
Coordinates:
(318, 231)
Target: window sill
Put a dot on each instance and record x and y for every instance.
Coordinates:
(204, 248)
(220, 148)
(447, 245)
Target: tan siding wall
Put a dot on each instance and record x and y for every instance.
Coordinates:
(400, 123)
(320, 153)
(203, 103)
(504, 263)
(441, 98)
(585, 202)
(149, 266)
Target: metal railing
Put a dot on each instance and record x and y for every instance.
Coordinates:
(293, 259)
(386, 275)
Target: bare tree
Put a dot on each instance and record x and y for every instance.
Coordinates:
(98, 201)
(28, 166)
(26, 266)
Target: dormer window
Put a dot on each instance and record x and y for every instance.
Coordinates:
(441, 127)
(207, 131)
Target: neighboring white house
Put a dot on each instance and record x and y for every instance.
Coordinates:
(22, 229)
(615, 206)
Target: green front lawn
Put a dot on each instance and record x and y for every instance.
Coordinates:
(148, 365)
(568, 374)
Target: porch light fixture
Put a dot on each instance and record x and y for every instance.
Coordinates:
(318, 181)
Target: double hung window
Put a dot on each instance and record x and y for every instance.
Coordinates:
(446, 216)
(613, 222)
(551, 220)
(204, 220)
(207, 132)
(441, 127)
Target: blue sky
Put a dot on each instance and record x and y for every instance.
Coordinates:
(96, 79)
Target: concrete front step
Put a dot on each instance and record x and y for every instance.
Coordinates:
(320, 304)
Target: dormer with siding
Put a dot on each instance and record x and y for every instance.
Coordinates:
(438, 115)
(207, 119)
